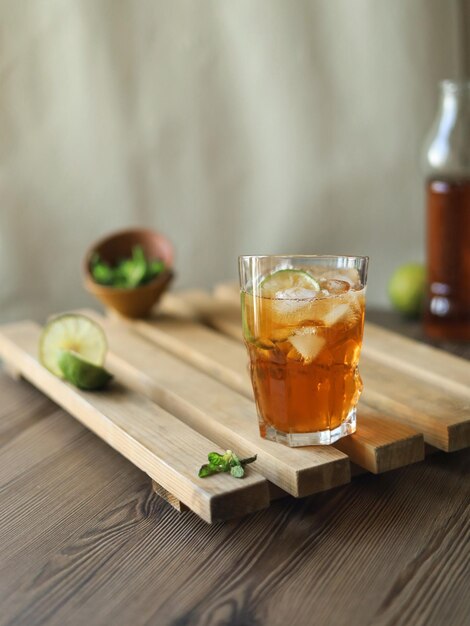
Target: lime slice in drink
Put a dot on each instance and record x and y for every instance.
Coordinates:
(82, 373)
(248, 323)
(289, 283)
(71, 333)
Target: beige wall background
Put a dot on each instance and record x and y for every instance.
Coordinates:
(255, 126)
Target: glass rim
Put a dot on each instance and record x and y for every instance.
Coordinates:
(303, 256)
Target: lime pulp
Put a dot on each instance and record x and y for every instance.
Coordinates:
(281, 280)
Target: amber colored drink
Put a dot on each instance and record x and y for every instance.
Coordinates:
(304, 355)
(448, 251)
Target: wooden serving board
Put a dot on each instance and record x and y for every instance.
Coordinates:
(182, 389)
(435, 401)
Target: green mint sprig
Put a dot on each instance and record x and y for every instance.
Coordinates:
(228, 462)
(126, 273)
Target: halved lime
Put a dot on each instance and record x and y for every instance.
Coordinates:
(82, 373)
(286, 280)
(71, 333)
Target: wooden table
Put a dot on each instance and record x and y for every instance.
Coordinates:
(84, 540)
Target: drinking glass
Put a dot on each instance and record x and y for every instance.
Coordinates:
(303, 322)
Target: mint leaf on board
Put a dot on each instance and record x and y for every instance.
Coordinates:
(215, 458)
(237, 471)
(235, 460)
(207, 470)
(228, 462)
(219, 461)
(250, 459)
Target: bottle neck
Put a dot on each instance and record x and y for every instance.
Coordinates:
(455, 103)
(447, 151)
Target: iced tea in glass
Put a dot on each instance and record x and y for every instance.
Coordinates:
(303, 321)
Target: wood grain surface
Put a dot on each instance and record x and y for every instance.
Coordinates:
(86, 541)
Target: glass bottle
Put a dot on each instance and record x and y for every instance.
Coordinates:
(447, 169)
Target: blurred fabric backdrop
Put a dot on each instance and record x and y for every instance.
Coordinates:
(256, 126)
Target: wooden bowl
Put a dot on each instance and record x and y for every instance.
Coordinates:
(138, 301)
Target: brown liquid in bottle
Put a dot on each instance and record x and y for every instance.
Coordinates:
(448, 252)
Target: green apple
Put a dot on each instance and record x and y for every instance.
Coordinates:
(407, 288)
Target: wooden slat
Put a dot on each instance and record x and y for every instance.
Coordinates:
(381, 444)
(431, 365)
(211, 352)
(196, 304)
(218, 412)
(169, 497)
(151, 438)
(226, 360)
(444, 418)
(434, 404)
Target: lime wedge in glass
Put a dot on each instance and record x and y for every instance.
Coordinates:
(247, 334)
(291, 282)
(71, 333)
(82, 373)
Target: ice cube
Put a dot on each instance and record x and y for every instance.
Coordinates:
(346, 308)
(292, 306)
(334, 286)
(357, 302)
(296, 293)
(349, 275)
(307, 342)
(336, 313)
